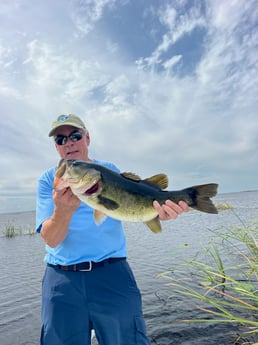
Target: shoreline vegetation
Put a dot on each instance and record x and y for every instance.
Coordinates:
(225, 290)
(10, 231)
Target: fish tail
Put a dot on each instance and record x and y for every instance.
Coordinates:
(201, 197)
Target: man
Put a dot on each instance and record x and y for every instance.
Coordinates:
(88, 283)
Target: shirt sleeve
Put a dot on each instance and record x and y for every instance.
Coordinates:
(45, 204)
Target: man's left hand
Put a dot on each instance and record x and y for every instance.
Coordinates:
(170, 210)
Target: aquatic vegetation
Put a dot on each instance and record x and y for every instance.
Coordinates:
(225, 206)
(10, 231)
(31, 231)
(223, 282)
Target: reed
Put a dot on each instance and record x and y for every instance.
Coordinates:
(225, 206)
(227, 293)
(9, 230)
(31, 231)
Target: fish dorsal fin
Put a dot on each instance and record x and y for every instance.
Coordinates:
(160, 180)
(154, 225)
(131, 176)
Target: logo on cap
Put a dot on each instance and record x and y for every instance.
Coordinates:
(62, 118)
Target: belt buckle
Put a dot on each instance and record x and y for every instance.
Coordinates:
(87, 269)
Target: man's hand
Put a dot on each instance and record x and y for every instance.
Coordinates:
(65, 199)
(170, 210)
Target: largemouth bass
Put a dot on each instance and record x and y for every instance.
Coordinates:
(126, 196)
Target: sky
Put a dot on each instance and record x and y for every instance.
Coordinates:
(164, 86)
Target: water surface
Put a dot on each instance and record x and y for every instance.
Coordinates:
(22, 267)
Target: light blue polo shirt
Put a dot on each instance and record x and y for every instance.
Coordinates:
(85, 240)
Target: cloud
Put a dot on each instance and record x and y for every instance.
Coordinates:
(87, 13)
(177, 24)
(172, 62)
(150, 114)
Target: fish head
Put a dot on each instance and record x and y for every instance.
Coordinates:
(80, 176)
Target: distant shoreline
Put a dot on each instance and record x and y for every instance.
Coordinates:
(16, 213)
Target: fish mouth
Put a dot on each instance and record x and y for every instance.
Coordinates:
(93, 189)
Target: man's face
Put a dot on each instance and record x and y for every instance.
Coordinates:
(72, 142)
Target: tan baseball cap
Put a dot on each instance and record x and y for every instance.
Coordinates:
(70, 120)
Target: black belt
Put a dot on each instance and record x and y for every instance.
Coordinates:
(86, 266)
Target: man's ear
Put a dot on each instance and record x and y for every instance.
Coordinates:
(88, 138)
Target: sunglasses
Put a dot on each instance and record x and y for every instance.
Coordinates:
(62, 139)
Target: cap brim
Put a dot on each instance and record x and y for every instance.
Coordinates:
(51, 133)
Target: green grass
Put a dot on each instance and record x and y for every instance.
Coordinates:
(227, 293)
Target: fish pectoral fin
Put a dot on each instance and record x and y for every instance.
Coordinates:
(99, 217)
(154, 225)
(109, 204)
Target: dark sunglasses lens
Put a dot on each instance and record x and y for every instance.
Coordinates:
(75, 136)
(61, 139)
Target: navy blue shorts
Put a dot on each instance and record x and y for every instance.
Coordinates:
(105, 299)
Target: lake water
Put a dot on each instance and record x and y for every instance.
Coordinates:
(22, 267)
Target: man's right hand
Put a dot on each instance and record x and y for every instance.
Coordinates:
(66, 199)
